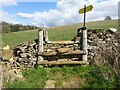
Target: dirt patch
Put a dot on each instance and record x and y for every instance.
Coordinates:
(73, 82)
(50, 84)
(7, 54)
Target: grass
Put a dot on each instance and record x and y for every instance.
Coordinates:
(101, 76)
(90, 25)
(91, 76)
(66, 32)
(16, 38)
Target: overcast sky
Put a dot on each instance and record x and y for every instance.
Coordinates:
(46, 13)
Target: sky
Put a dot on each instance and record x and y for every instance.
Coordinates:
(47, 13)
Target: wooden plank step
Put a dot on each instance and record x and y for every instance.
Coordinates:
(61, 42)
(53, 53)
(61, 62)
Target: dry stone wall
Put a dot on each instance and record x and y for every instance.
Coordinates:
(103, 45)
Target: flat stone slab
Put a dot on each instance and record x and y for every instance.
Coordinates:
(50, 84)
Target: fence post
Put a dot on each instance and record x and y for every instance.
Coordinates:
(45, 36)
(40, 45)
(84, 44)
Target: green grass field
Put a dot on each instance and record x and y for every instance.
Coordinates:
(66, 32)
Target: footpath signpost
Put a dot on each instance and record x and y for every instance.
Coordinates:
(84, 30)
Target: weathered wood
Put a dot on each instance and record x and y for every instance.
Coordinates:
(61, 42)
(84, 44)
(63, 50)
(46, 36)
(77, 52)
(40, 44)
(48, 53)
(62, 62)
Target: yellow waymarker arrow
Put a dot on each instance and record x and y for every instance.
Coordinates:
(88, 8)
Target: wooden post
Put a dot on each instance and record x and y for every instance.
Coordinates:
(46, 36)
(40, 41)
(84, 37)
(84, 44)
(40, 44)
(84, 15)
